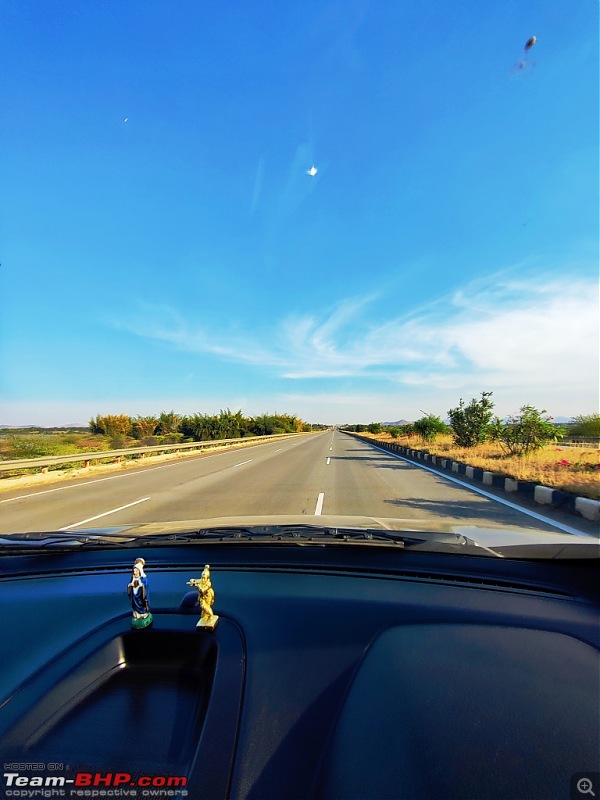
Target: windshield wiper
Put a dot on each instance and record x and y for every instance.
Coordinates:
(299, 535)
(307, 535)
(24, 542)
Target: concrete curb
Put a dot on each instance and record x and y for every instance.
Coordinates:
(543, 495)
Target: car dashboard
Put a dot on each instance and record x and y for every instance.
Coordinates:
(348, 672)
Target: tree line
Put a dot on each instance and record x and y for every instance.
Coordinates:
(169, 426)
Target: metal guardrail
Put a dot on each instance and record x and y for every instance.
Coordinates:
(593, 444)
(97, 455)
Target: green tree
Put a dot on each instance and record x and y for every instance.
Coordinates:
(168, 422)
(375, 427)
(189, 426)
(429, 427)
(114, 425)
(586, 425)
(471, 424)
(200, 427)
(231, 425)
(141, 427)
(95, 425)
(526, 432)
(263, 425)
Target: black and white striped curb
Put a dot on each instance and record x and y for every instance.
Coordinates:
(544, 495)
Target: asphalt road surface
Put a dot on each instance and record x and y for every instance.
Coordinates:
(328, 473)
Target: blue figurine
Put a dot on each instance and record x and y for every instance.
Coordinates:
(137, 591)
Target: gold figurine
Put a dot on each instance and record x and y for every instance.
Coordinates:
(206, 600)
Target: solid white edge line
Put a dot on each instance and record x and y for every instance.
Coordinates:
(105, 514)
(559, 525)
(319, 506)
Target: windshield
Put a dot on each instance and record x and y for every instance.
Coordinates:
(354, 244)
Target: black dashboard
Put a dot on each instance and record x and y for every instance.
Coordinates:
(333, 672)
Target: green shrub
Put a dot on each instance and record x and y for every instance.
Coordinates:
(428, 427)
(526, 432)
(471, 424)
(586, 425)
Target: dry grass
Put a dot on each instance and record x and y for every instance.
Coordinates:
(571, 469)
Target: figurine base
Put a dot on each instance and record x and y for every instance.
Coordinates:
(208, 624)
(141, 622)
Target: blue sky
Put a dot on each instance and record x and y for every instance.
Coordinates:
(163, 247)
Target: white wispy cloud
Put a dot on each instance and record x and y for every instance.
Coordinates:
(504, 330)
(258, 184)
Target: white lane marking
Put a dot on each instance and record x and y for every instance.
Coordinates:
(105, 514)
(101, 480)
(328, 460)
(559, 525)
(126, 475)
(331, 448)
(133, 474)
(242, 462)
(279, 449)
(319, 506)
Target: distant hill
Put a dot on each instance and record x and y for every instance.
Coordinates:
(399, 423)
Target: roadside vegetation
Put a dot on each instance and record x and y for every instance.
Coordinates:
(16, 443)
(172, 428)
(117, 432)
(526, 446)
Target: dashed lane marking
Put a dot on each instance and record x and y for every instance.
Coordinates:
(105, 514)
(319, 506)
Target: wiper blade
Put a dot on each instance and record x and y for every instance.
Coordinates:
(24, 542)
(299, 535)
(306, 535)
(277, 534)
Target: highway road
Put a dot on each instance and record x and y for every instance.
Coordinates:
(329, 473)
